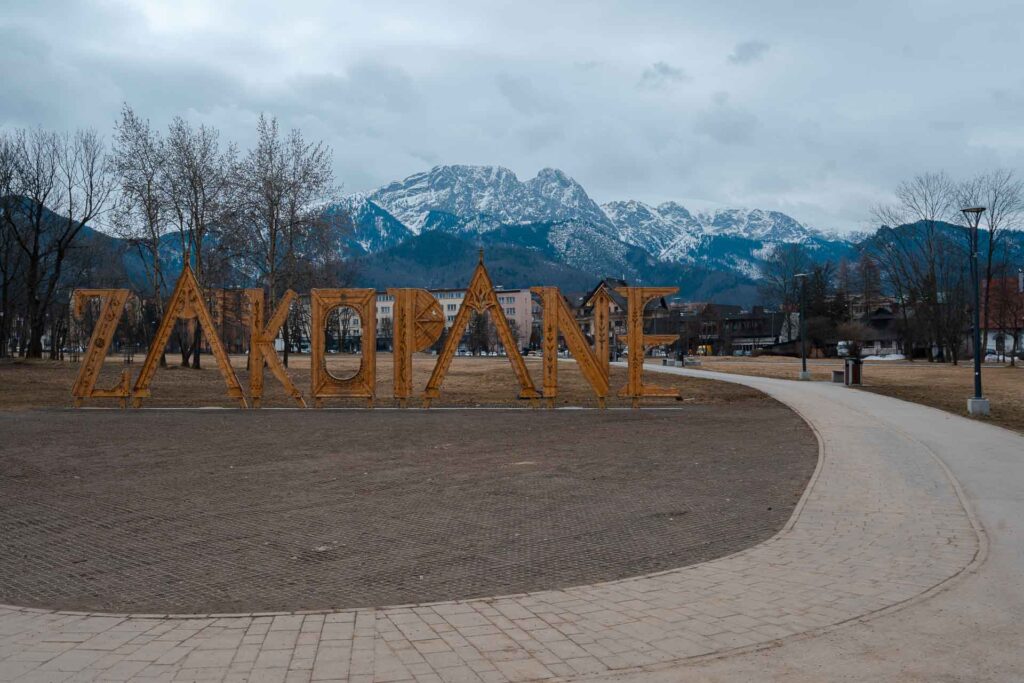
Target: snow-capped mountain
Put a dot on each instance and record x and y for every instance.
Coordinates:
(552, 216)
(656, 229)
(671, 232)
(491, 191)
(769, 226)
(374, 228)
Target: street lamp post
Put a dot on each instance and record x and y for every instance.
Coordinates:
(804, 375)
(978, 405)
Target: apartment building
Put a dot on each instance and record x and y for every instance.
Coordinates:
(517, 305)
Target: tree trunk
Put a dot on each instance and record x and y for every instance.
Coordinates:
(183, 346)
(287, 341)
(197, 341)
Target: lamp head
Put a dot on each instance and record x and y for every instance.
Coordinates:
(973, 215)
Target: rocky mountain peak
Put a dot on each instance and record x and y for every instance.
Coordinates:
(493, 191)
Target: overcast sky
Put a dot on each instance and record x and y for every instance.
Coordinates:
(813, 108)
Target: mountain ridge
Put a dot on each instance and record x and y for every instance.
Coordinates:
(553, 215)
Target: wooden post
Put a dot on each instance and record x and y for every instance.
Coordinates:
(600, 302)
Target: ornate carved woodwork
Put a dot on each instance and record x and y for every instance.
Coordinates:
(636, 301)
(261, 346)
(480, 298)
(558, 317)
(112, 305)
(186, 303)
(419, 322)
(364, 383)
(601, 302)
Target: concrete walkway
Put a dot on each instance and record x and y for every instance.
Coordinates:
(972, 629)
(882, 534)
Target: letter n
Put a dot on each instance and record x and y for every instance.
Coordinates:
(558, 318)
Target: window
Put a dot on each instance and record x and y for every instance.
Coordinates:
(510, 311)
(386, 310)
(451, 318)
(453, 307)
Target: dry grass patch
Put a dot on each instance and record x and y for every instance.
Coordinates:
(939, 385)
(483, 381)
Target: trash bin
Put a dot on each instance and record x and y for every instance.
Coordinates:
(852, 372)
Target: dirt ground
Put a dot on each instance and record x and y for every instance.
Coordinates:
(940, 385)
(471, 381)
(170, 511)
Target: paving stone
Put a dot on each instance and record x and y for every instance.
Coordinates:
(881, 524)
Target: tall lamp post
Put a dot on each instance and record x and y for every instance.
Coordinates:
(978, 405)
(804, 375)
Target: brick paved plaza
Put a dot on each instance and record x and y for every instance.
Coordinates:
(882, 529)
(229, 511)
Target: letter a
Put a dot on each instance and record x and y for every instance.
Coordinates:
(186, 303)
(558, 317)
(261, 346)
(113, 305)
(480, 298)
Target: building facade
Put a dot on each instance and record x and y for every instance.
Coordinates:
(517, 304)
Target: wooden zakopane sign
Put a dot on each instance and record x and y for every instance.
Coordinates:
(418, 323)
(186, 303)
(480, 299)
(261, 346)
(558, 318)
(636, 302)
(112, 301)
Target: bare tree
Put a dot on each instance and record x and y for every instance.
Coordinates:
(11, 260)
(57, 184)
(478, 337)
(1002, 195)
(780, 285)
(869, 281)
(197, 184)
(281, 187)
(912, 247)
(140, 215)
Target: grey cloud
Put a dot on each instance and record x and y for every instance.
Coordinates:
(522, 95)
(541, 136)
(748, 52)
(726, 123)
(427, 157)
(661, 74)
(396, 87)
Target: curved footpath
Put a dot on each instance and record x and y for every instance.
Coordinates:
(883, 568)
